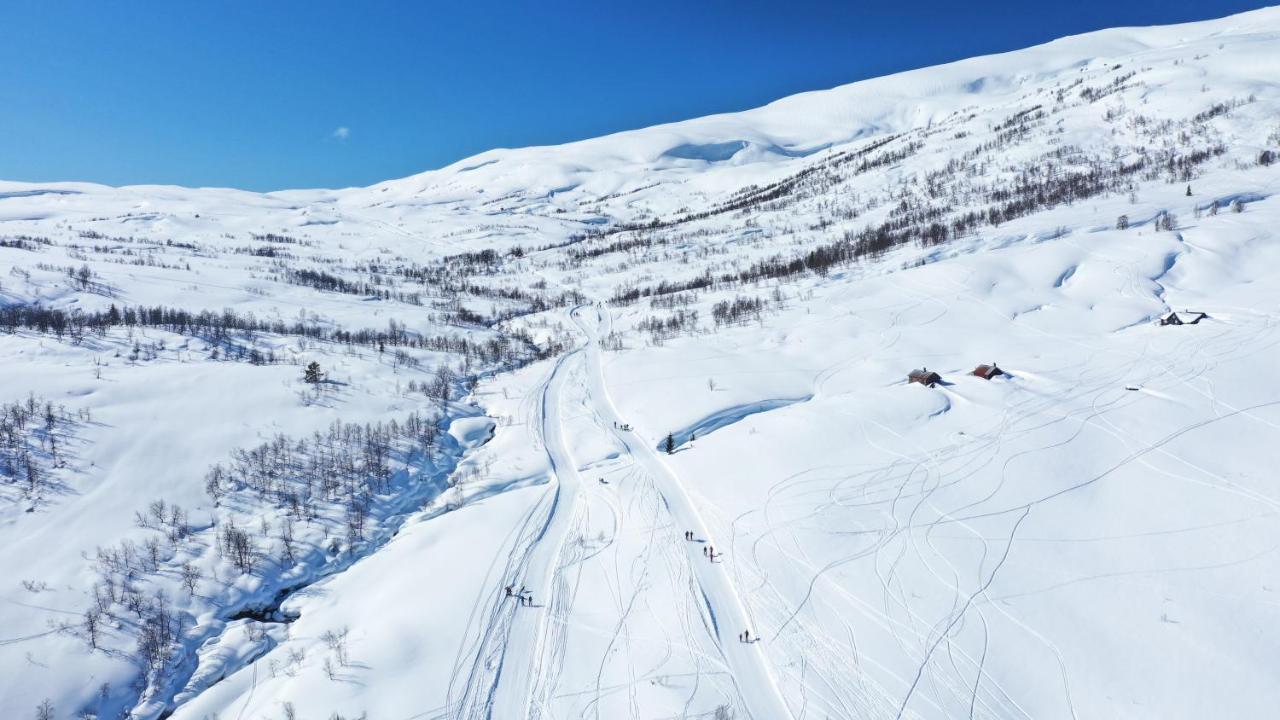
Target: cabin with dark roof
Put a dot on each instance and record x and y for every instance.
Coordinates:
(925, 377)
(1185, 318)
(986, 372)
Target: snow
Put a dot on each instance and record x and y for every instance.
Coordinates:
(1091, 535)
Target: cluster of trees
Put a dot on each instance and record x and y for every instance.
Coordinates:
(675, 300)
(321, 280)
(639, 240)
(33, 434)
(278, 239)
(266, 251)
(344, 467)
(454, 278)
(25, 242)
(725, 312)
(121, 601)
(660, 328)
(1118, 83)
(334, 480)
(739, 309)
(441, 386)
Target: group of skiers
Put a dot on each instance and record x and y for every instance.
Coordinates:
(524, 596)
(709, 552)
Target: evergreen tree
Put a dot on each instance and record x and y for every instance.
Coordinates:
(312, 373)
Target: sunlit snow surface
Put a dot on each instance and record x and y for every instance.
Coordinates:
(1093, 534)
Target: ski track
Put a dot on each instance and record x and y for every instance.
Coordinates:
(752, 676)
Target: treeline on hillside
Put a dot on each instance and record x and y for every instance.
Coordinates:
(976, 188)
(929, 225)
(321, 280)
(217, 327)
(25, 242)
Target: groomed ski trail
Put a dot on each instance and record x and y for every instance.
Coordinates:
(519, 670)
(752, 675)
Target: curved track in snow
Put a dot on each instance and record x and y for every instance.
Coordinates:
(510, 667)
(752, 676)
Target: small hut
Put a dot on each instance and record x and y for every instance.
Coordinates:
(986, 372)
(1185, 318)
(925, 377)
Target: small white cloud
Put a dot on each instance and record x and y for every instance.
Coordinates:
(341, 133)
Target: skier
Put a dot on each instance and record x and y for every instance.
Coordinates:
(746, 636)
(711, 552)
(508, 589)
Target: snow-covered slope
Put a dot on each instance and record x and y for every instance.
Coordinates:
(196, 525)
(803, 124)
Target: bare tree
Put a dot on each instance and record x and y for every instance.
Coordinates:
(190, 577)
(92, 627)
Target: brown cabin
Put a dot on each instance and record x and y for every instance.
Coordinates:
(925, 377)
(986, 372)
(1186, 318)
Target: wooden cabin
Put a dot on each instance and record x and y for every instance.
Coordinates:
(1185, 318)
(986, 372)
(925, 377)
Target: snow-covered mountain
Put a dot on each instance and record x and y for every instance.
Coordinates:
(542, 433)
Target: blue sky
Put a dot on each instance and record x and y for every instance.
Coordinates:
(271, 95)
